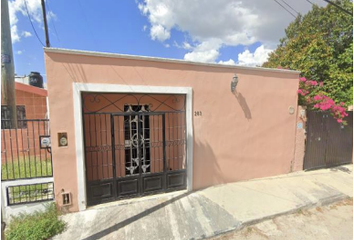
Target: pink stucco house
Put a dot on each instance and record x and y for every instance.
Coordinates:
(126, 126)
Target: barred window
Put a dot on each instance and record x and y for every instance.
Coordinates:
(6, 117)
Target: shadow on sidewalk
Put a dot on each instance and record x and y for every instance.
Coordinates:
(128, 221)
(341, 168)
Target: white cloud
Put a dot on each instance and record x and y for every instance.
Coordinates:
(202, 56)
(14, 34)
(13, 8)
(34, 9)
(187, 46)
(257, 58)
(231, 22)
(184, 45)
(144, 28)
(207, 51)
(229, 62)
(51, 16)
(19, 52)
(18, 6)
(159, 32)
(26, 34)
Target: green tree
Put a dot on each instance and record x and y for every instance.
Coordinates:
(320, 45)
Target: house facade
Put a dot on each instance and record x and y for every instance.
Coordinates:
(31, 103)
(127, 126)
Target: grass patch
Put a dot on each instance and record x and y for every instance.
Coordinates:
(36, 226)
(26, 168)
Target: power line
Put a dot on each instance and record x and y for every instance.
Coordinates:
(87, 24)
(290, 7)
(310, 2)
(29, 18)
(285, 8)
(52, 23)
(339, 7)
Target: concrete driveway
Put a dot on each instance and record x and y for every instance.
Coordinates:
(212, 211)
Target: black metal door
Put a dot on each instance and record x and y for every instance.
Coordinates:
(132, 158)
(139, 154)
(99, 164)
(328, 143)
(316, 142)
(339, 148)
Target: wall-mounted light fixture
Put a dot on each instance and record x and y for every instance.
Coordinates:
(234, 83)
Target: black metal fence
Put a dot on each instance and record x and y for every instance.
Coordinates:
(30, 193)
(328, 143)
(21, 153)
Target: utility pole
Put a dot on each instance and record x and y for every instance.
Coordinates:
(7, 64)
(3, 225)
(47, 44)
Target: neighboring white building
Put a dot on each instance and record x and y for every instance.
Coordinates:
(22, 79)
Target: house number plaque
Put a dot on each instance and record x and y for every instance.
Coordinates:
(198, 113)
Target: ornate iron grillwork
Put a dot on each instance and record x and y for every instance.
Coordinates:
(136, 141)
(133, 147)
(104, 102)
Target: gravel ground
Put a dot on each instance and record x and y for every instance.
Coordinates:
(333, 222)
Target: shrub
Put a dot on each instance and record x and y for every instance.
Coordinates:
(320, 101)
(36, 226)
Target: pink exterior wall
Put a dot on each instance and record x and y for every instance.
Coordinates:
(34, 99)
(243, 135)
(298, 164)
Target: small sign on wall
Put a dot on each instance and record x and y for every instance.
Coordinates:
(300, 125)
(198, 113)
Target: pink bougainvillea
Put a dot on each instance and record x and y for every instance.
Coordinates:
(325, 103)
(321, 101)
(301, 92)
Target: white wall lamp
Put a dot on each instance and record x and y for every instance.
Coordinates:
(234, 83)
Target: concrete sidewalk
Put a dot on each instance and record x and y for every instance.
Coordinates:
(211, 211)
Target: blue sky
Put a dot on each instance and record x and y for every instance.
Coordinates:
(224, 31)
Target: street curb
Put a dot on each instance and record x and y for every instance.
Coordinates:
(321, 202)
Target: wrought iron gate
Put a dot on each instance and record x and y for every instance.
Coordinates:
(133, 152)
(328, 143)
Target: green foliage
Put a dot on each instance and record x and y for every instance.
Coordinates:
(320, 45)
(36, 226)
(25, 168)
